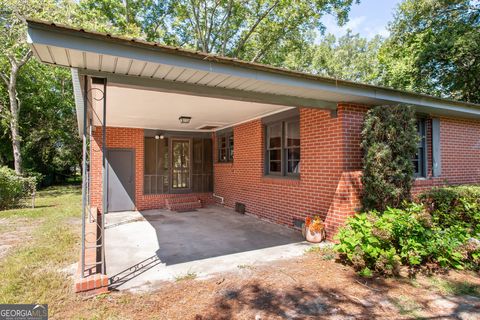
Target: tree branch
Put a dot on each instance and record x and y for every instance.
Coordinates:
(253, 27)
(4, 78)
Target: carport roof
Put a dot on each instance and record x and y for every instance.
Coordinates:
(170, 69)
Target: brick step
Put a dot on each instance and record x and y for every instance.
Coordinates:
(184, 206)
(181, 199)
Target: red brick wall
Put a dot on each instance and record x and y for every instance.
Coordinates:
(460, 154)
(331, 164)
(133, 139)
(329, 178)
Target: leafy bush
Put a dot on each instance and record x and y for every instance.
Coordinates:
(14, 188)
(452, 206)
(389, 141)
(382, 242)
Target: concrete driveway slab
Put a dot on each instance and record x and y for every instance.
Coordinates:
(144, 249)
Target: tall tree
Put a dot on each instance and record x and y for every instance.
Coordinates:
(254, 30)
(434, 48)
(349, 57)
(14, 54)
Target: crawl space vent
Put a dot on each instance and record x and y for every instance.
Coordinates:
(240, 207)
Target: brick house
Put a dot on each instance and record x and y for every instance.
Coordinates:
(169, 128)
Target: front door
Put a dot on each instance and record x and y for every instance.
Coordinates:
(120, 180)
(181, 170)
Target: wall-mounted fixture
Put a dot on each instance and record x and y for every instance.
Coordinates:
(185, 119)
(159, 137)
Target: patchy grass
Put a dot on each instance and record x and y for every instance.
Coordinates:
(326, 252)
(452, 287)
(308, 287)
(407, 306)
(187, 276)
(31, 271)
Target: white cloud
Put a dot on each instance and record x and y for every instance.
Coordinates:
(359, 24)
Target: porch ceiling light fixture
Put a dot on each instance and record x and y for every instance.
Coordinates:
(185, 119)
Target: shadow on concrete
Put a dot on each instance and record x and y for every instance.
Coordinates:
(128, 274)
(211, 232)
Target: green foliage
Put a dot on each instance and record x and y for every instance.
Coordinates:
(52, 146)
(453, 206)
(14, 188)
(389, 141)
(434, 48)
(349, 57)
(253, 30)
(382, 242)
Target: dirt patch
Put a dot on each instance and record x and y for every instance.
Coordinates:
(310, 287)
(14, 232)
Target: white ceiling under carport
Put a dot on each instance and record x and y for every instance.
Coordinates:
(136, 107)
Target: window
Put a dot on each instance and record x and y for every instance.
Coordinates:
(283, 148)
(419, 160)
(225, 147)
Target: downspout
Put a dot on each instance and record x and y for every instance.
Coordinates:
(219, 197)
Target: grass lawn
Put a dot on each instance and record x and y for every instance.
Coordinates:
(43, 241)
(40, 244)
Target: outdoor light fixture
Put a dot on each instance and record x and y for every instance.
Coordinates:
(185, 119)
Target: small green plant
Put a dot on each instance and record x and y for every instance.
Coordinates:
(188, 276)
(326, 252)
(365, 272)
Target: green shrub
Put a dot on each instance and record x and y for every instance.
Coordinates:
(14, 188)
(452, 206)
(389, 142)
(382, 242)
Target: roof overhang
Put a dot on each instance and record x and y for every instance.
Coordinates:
(137, 63)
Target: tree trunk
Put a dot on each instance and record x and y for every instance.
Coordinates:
(14, 115)
(11, 83)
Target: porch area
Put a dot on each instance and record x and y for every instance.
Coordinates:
(145, 249)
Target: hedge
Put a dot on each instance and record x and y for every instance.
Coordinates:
(14, 188)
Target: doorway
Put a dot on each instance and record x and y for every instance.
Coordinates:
(181, 165)
(120, 180)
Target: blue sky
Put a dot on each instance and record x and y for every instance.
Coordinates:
(368, 18)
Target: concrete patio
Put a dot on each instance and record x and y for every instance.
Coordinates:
(144, 249)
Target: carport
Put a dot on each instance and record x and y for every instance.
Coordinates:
(159, 125)
(143, 249)
(121, 85)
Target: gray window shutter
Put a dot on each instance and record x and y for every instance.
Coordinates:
(436, 154)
